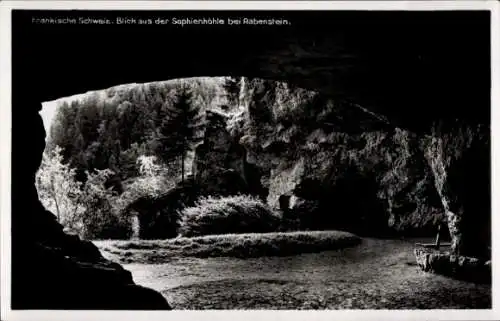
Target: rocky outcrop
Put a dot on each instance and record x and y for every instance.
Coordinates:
(341, 166)
(459, 156)
(344, 166)
(54, 270)
(220, 166)
(457, 266)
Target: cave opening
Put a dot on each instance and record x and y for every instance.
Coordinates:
(351, 204)
(385, 76)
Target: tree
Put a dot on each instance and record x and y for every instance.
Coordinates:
(128, 160)
(232, 87)
(62, 131)
(180, 129)
(58, 189)
(100, 219)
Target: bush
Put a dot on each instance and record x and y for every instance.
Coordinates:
(228, 245)
(223, 215)
(100, 220)
(106, 224)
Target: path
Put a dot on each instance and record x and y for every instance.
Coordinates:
(379, 274)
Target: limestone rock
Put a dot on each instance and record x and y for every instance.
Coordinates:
(220, 166)
(459, 156)
(62, 272)
(361, 173)
(448, 264)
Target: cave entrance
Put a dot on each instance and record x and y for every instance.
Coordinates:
(350, 203)
(354, 205)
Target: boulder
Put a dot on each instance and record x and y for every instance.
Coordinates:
(220, 166)
(449, 264)
(60, 271)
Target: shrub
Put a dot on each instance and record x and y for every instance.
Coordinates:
(223, 215)
(229, 245)
(100, 220)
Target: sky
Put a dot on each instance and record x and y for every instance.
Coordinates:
(47, 113)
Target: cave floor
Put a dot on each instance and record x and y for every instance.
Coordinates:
(378, 274)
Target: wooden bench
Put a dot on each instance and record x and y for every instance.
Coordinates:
(433, 245)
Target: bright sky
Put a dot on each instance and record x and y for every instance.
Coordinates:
(47, 113)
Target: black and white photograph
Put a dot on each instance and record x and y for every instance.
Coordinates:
(249, 159)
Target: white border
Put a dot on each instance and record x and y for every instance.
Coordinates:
(5, 135)
(252, 5)
(5, 149)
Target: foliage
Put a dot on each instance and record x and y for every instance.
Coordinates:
(179, 131)
(229, 245)
(154, 179)
(233, 214)
(111, 128)
(232, 86)
(58, 190)
(100, 220)
(159, 215)
(82, 208)
(146, 134)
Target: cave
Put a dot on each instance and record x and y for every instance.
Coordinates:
(354, 200)
(415, 68)
(253, 175)
(350, 204)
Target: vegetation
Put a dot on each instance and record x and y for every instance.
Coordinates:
(91, 209)
(232, 85)
(82, 208)
(140, 140)
(114, 146)
(101, 220)
(58, 190)
(110, 129)
(179, 130)
(231, 245)
(232, 214)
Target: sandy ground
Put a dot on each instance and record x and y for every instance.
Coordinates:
(378, 274)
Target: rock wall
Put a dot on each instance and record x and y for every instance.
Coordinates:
(351, 167)
(459, 156)
(60, 271)
(342, 166)
(220, 166)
